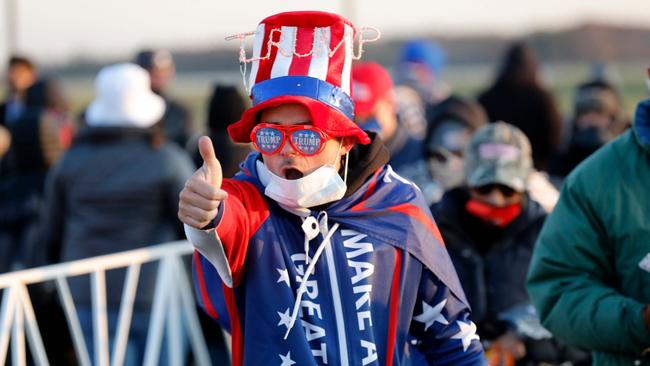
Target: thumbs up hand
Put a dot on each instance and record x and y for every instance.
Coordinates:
(202, 194)
(211, 168)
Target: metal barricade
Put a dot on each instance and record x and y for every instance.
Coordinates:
(173, 308)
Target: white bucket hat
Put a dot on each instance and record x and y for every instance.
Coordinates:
(124, 98)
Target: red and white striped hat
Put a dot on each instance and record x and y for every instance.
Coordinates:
(306, 58)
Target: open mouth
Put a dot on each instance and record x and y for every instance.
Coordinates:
(292, 173)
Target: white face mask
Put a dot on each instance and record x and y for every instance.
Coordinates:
(321, 186)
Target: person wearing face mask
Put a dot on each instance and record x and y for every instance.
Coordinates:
(451, 125)
(489, 227)
(598, 118)
(317, 252)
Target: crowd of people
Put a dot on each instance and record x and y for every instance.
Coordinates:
(345, 214)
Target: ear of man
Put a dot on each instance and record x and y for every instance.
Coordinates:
(347, 143)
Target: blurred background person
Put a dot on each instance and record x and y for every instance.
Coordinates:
(451, 125)
(598, 117)
(116, 189)
(177, 121)
(589, 272)
(419, 84)
(490, 227)
(518, 97)
(38, 137)
(225, 106)
(374, 110)
(21, 74)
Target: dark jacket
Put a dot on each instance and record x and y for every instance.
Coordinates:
(3, 112)
(112, 191)
(22, 177)
(404, 149)
(22, 170)
(176, 122)
(491, 263)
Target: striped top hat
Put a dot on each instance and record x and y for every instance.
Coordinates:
(302, 57)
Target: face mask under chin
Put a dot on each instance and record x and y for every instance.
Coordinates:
(323, 185)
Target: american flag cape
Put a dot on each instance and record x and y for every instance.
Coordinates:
(383, 291)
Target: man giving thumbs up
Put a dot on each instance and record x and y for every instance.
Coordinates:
(316, 252)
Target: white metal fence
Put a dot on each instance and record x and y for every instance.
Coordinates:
(172, 310)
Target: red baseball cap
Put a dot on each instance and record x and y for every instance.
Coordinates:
(370, 84)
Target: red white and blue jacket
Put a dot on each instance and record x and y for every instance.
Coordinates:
(382, 292)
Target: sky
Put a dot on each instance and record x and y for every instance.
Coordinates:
(53, 32)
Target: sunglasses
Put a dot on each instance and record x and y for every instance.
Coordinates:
(441, 155)
(487, 189)
(307, 140)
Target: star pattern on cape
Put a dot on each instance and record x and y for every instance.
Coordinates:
(466, 334)
(286, 359)
(285, 318)
(432, 314)
(284, 276)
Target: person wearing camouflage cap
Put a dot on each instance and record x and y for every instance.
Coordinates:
(490, 226)
(499, 154)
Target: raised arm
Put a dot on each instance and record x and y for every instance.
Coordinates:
(220, 222)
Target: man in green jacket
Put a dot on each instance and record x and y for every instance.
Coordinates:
(590, 274)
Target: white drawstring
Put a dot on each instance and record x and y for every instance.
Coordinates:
(306, 248)
(345, 173)
(311, 232)
(310, 228)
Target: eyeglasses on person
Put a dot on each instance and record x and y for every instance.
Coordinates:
(270, 138)
(488, 188)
